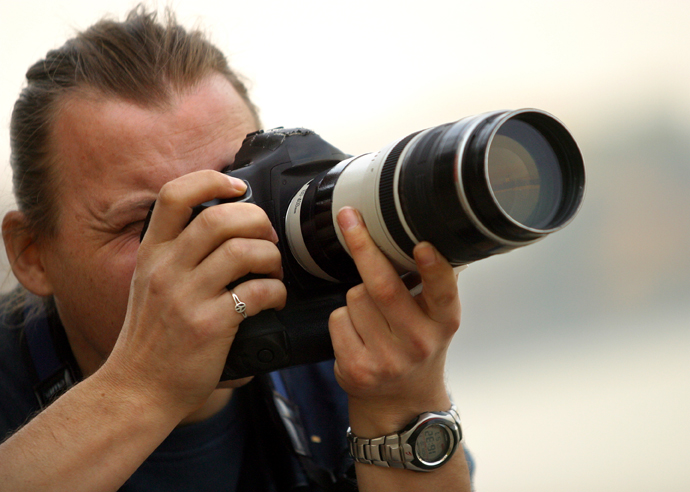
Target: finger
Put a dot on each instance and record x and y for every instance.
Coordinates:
(347, 343)
(236, 258)
(380, 278)
(349, 349)
(177, 198)
(215, 225)
(370, 324)
(439, 286)
(257, 295)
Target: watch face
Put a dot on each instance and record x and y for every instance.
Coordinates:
(432, 443)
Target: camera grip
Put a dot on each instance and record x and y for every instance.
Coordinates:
(261, 345)
(272, 340)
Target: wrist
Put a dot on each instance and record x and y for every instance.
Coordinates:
(426, 443)
(141, 400)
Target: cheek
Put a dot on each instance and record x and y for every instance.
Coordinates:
(97, 280)
(118, 270)
(95, 300)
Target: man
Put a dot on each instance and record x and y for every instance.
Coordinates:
(124, 115)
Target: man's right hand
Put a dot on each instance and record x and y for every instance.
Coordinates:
(181, 319)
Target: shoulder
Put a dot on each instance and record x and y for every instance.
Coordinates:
(17, 400)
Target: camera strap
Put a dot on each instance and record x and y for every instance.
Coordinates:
(51, 359)
(292, 423)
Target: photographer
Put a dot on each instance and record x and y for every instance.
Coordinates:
(130, 113)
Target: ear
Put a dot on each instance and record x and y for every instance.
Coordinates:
(23, 252)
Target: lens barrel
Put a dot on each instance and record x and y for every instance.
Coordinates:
(474, 188)
(494, 183)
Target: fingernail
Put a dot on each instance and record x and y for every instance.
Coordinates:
(237, 183)
(425, 254)
(275, 235)
(348, 218)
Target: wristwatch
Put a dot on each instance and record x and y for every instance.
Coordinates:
(425, 444)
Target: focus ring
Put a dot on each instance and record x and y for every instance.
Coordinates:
(389, 211)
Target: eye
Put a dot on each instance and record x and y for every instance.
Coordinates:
(134, 227)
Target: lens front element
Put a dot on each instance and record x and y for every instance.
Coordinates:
(525, 174)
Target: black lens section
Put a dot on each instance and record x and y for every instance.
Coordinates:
(525, 174)
(488, 184)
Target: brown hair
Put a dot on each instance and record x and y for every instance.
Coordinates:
(139, 60)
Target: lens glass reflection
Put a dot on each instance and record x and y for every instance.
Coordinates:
(525, 175)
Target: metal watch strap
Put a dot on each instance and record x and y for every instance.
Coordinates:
(388, 451)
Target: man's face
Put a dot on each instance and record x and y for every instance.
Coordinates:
(113, 158)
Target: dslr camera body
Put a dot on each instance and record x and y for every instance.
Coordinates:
(474, 188)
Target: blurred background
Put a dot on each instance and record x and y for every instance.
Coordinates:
(572, 365)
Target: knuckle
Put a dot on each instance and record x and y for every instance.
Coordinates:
(337, 318)
(252, 211)
(360, 373)
(389, 368)
(356, 294)
(386, 293)
(274, 256)
(169, 193)
(255, 210)
(455, 319)
(251, 255)
(366, 373)
(252, 217)
(235, 250)
(258, 290)
(210, 218)
(266, 293)
(450, 319)
(446, 299)
(263, 222)
(421, 348)
(204, 325)
(158, 280)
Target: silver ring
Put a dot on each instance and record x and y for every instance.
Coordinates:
(240, 307)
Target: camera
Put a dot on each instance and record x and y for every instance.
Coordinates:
(476, 187)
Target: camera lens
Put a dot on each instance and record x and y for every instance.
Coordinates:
(524, 174)
(474, 188)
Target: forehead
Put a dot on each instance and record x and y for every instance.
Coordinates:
(113, 146)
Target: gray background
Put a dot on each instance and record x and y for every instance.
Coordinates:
(571, 368)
